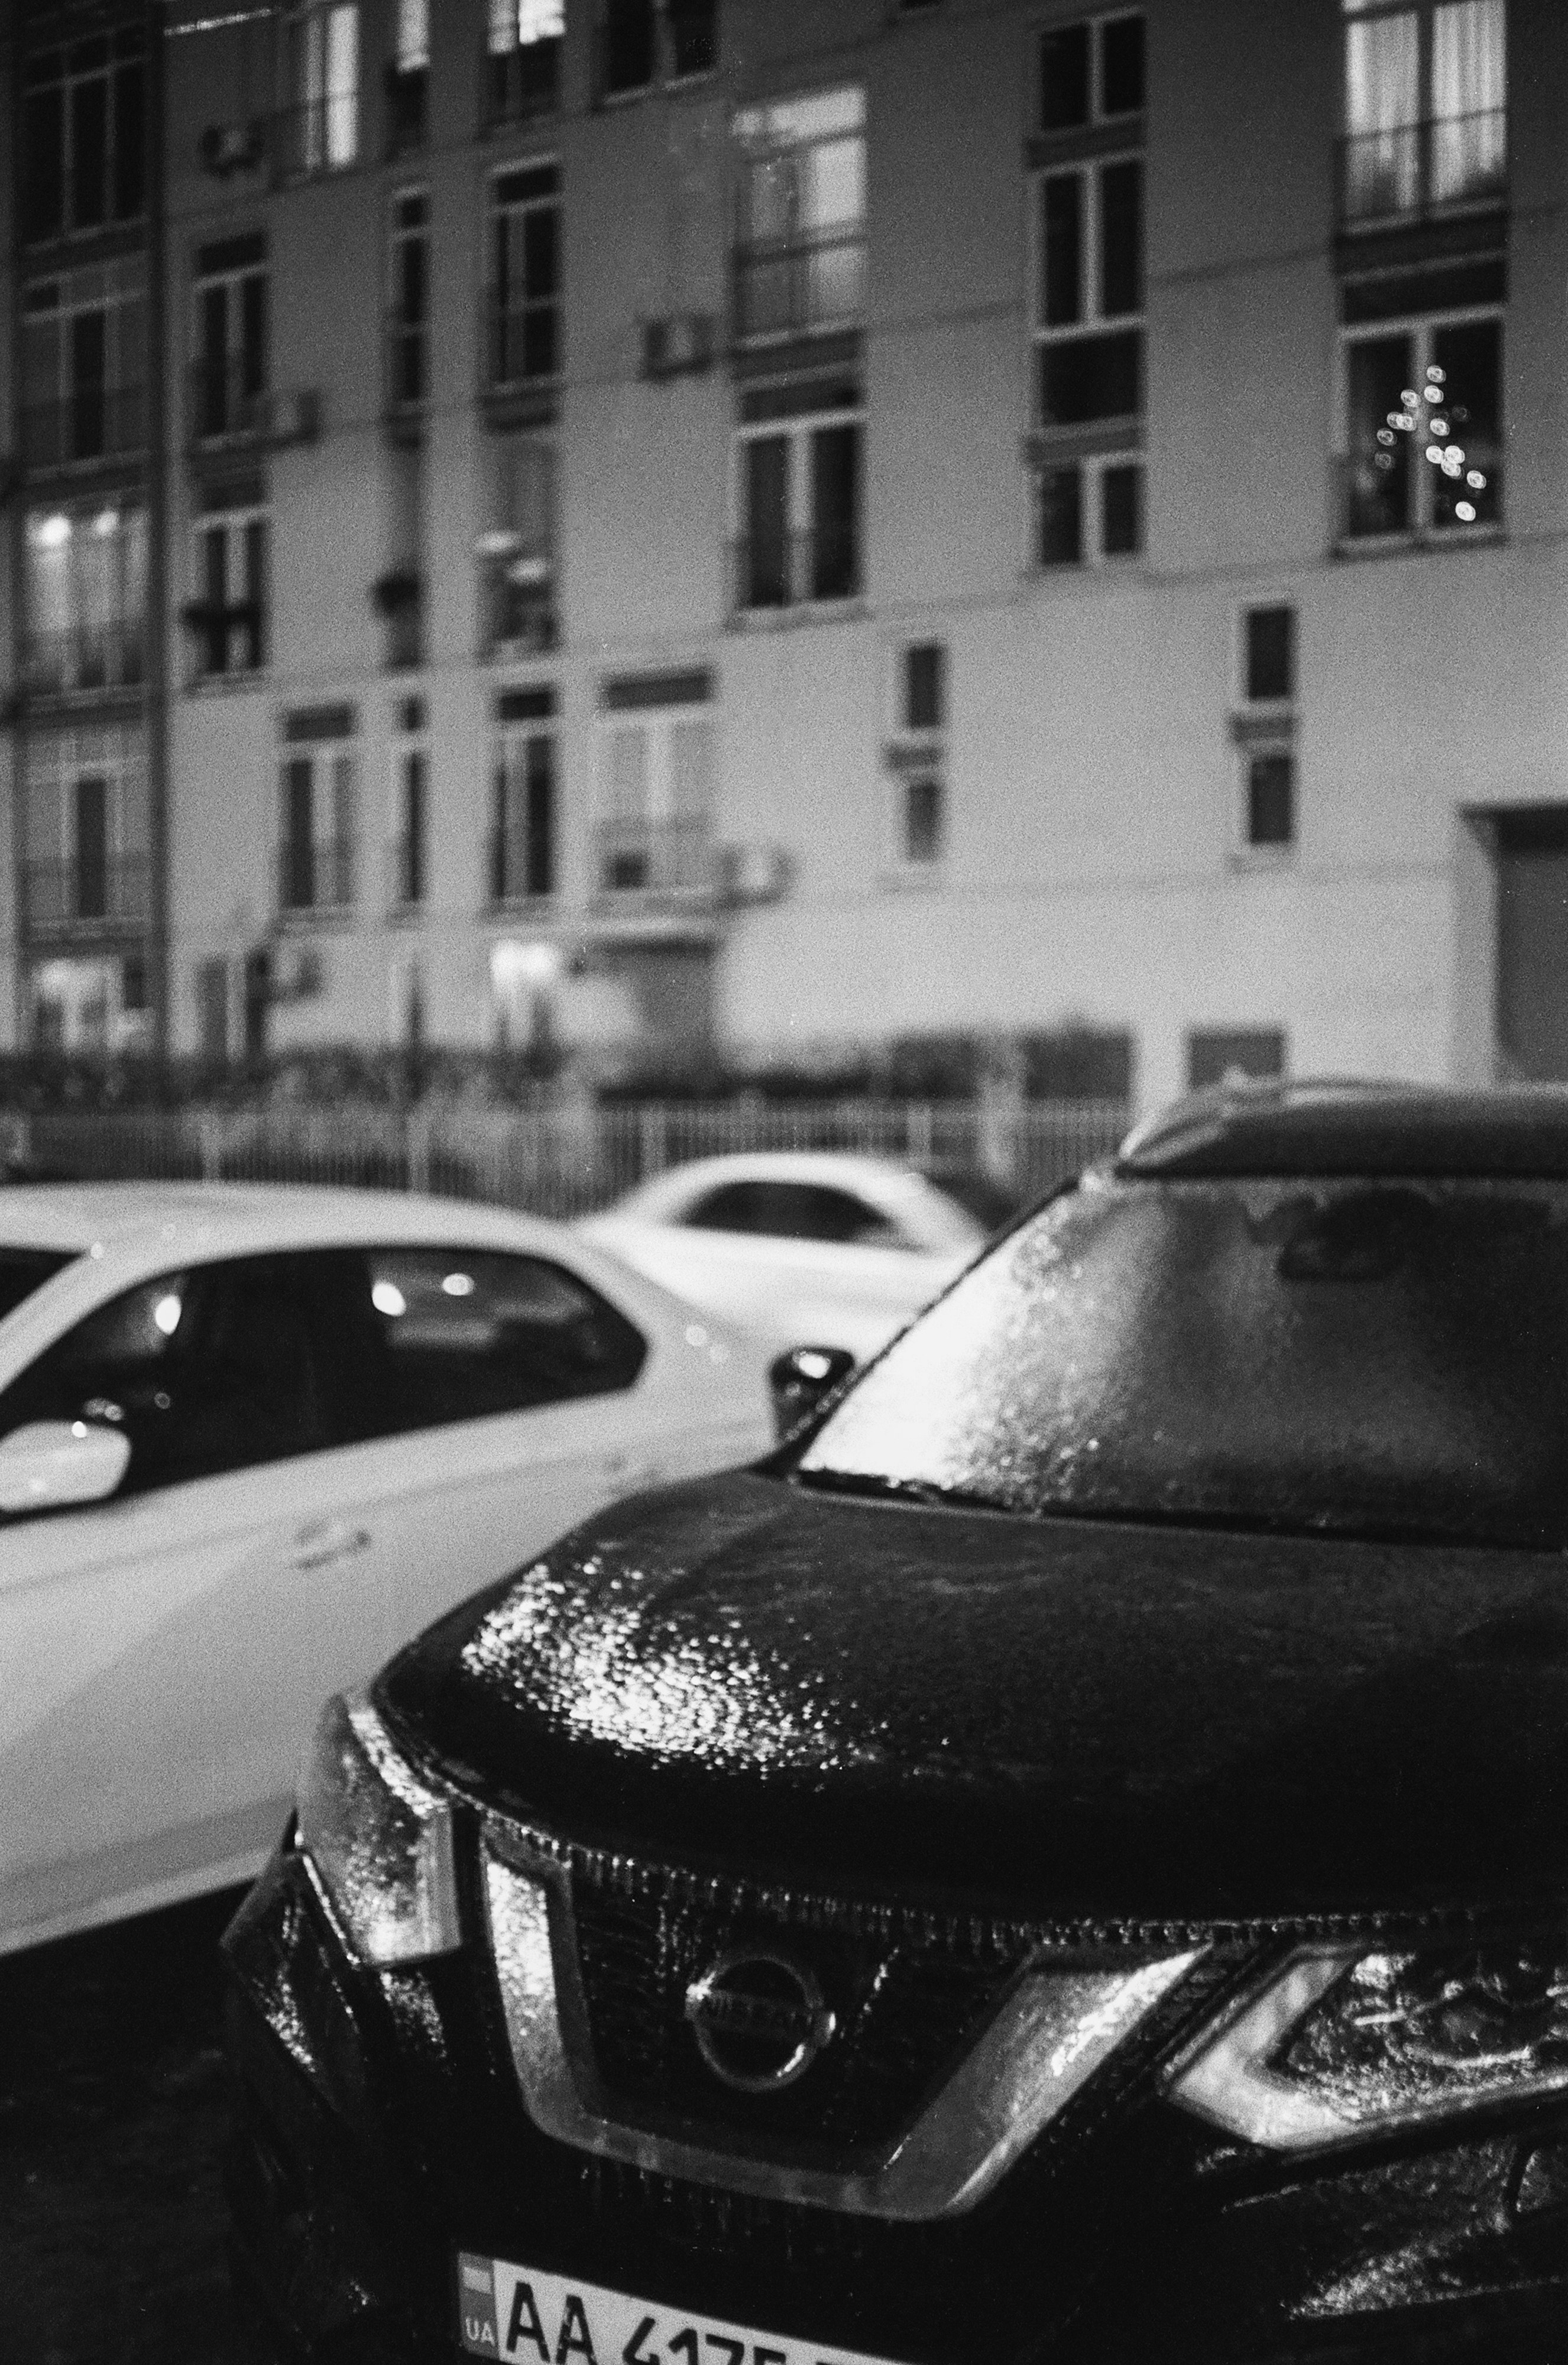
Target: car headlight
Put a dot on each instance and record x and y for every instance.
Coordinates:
(1349, 2042)
(379, 1838)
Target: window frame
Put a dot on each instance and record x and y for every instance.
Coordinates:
(111, 292)
(407, 849)
(400, 330)
(123, 631)
(233, 519)
(310, 115)
(802, 527)
(119, 57)
(325, 756)
(751, 153)
(510, 737)
(1419, 528)
(498, 306)
(677, 839)
(1097, 119)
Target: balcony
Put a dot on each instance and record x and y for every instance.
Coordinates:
(94, 894)
(82, 660)
(774, 571)
(90, 424)
(517, 602)
(315, 879)
(672, 860)
(229, 407)
(1424, 171)
(799, 286)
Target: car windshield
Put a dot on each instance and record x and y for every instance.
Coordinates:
(1365, 1358)
(24, 1270)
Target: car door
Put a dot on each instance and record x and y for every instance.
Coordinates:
(497, 1402)
(166, 1651)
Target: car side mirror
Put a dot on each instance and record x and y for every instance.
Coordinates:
(804, 1377)
(49, 1464)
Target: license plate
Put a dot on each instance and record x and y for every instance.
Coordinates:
(518, 2312)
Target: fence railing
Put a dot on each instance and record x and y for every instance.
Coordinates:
(1410, 170)
(561, 1162)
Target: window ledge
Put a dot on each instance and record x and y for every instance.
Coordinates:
(801, 612)
(915, 879)
(516, 907)
(227, 685)
(1262, 860)
(1421, 539)
(315, 916)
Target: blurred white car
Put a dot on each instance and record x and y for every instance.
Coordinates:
(792, 1245)
(250, 1441)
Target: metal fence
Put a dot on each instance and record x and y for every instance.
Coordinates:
(561, 1160)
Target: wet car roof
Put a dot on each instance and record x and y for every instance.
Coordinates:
(1353, 1127)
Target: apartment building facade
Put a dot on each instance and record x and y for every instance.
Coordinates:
(691, 520)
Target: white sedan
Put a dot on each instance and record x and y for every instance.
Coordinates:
(252, 1440)
(795, 1246)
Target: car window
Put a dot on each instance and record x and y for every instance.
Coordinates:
(460, 1334)
(1358, 1358)
(24, 1270)
(792, 1211)
(207, 1369)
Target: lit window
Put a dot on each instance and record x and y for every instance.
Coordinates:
(413, 36)
(800, 248)
(1424, 428)
(324, 77)
(1426, 107)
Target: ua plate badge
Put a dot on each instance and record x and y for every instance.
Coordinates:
(521, 2313)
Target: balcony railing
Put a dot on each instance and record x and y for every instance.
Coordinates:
(521, 865)
(518, 83)
(1416, 171)
(522, 344)
(315, 875)
(322, 135)
(518, 600)
(84, 657)
(674, 856)
(799, 286)
(93, 422)
(790, 570)
(92, 891)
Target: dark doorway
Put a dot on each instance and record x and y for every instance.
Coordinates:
(1532, 943)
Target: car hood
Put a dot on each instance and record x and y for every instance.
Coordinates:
(1075, 1717)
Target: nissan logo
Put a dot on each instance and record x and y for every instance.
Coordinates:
(759, 2021)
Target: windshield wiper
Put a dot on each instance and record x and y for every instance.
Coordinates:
(885, 1488)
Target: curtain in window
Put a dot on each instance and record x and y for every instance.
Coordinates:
(342, 86)
(1469, 96)
(1383, 112)
(414, 35)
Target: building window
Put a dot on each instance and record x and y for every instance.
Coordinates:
(522, 826)
(399, 594)
(318, 811)
(916, 760)
(1088, 303)
(524, 302)
(1091, 73)
(83, 134)
(85, 597)
(642, 41)
(83, 365)
(1264, 730)
(1426, 108)
(1424, 428)
(84, 865)
(801, 239)
(407, 78)
(230, 336)
(410, 794)
(522, 64)
(1225, 1054)
(656, 752)
(798, 501)
(407, 322)
(322, 123)
(227, 616)
(517, 587)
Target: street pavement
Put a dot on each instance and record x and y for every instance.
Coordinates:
(112, 2117)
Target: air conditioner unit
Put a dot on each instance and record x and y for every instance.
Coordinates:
(754, 872)
(678, 345)
(226, 148)
(295, 415)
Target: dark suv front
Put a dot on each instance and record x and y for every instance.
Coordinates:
(1068, 1861)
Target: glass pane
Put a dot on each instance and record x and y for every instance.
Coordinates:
(1092, 378)
(924, 686)
(1270, 800)
(691, 767)
(628, 44)
(541, 251)
(1064, 78)
(541, 793)
(1382, 107)
(89, 151)
(1062, 517)
(465, 1334)
(1061, 245)
(1470, 355)
(1121, 509)
(1470, 93)
(693, 35)
(43, 165)
(1378, 485)
(835, 285)
(342, 86)
(835, 471)
(765, 576)
(1121, 239)
(832, 185)
(1121, 66)
(923, 821)
(129, 179)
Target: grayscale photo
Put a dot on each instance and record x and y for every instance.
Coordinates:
(784, 1183)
